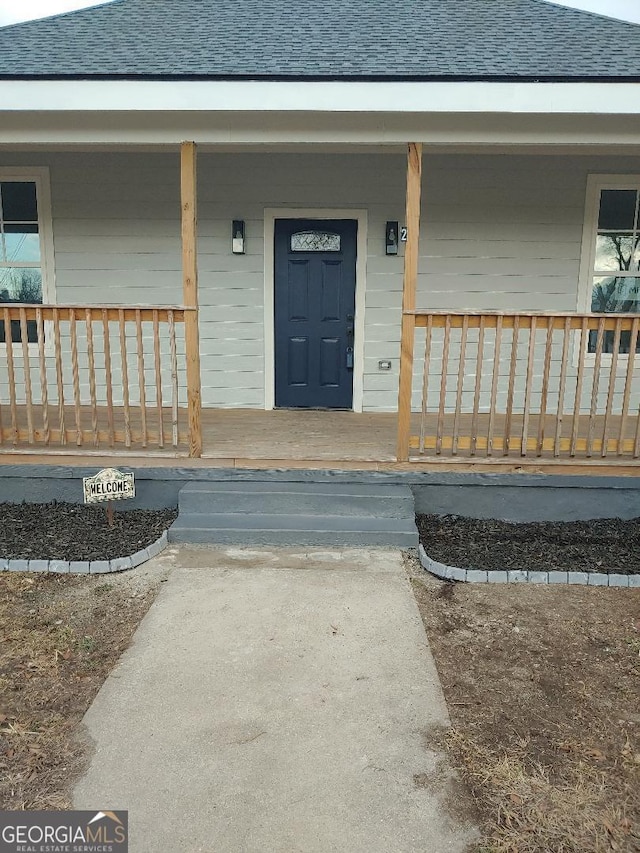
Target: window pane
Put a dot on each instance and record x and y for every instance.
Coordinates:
(616, 295)
(614, 251)
(20, 285)
(16, 332)
(617, 210)
(22, 246)
(608, 342)
(19, 201)
(315, 241)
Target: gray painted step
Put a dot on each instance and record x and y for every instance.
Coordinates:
(295, 513)
(270, 498)
(259, 529)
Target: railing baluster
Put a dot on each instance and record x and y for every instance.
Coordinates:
(612, 386)
(26, 365)
(443, 383)
(460, 385)
(57, 352)
(76, 376)
(1, 423)
(174, 378)
(125, 377)
(595, 388)
(513, 363)
(577, 403)
(494, 385)
(158, 369)
(92, 377)
(529, 383)
(478, 385)
(425, 381)
(44, 391)
(141, 378)
(544, 393)
(108, 377)
(13, 403)
(562, 386)
(627, 384)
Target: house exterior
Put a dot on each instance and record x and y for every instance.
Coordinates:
(429, 227)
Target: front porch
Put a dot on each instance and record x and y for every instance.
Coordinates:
(477, 390)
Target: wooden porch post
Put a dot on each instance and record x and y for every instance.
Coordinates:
(414, 184)
(188, 183)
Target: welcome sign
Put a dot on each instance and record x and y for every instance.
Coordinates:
(109, 485)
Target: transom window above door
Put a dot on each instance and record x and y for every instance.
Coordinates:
(315, 241)
(614, 266)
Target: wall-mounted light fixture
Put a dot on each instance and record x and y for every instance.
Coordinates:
(237, 237)
(391, 238)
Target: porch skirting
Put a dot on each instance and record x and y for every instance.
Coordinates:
(516, 497)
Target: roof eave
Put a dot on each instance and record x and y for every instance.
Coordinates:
(329, 78)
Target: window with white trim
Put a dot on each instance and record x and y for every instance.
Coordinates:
(25, 244)
(611, 280)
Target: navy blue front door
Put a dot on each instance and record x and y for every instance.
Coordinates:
(315, 286)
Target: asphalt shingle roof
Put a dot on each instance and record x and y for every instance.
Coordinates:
(370, 39)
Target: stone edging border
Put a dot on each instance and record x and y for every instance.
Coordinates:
(93, 567)
(452, 573)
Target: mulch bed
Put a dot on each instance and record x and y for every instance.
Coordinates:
(62, 531)
(610, 545)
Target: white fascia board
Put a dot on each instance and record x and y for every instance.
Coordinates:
(323, 97)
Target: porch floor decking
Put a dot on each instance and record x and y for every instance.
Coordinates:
(306, 435)
(282, 438)
(299, 435)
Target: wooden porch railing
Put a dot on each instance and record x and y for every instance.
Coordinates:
(87, 376)
(522, 384)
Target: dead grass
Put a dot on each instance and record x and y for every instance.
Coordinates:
(533, 809)
(543, 688)
(59, 638)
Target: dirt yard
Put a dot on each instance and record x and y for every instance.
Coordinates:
(543, 688)
(60, 635)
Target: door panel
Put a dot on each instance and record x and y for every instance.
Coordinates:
(298, 362)
(331, 291)
(315, 281)
(298, 297)
(330, 362)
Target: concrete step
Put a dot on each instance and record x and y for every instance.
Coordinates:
(275, 498)
(274, 512)
(280, 529)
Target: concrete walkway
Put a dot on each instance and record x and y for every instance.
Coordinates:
(276, 701)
